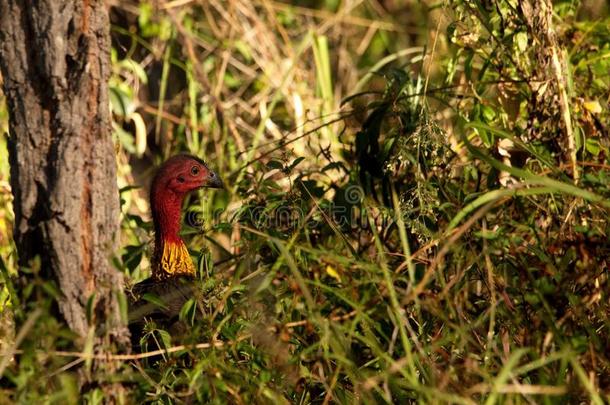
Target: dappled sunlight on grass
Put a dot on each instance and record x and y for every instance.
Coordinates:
(406, 217)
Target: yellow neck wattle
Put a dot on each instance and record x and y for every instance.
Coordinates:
(173, 259)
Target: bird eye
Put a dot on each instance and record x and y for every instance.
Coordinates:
(195, 170)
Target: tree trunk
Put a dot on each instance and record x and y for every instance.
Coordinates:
(54, 58)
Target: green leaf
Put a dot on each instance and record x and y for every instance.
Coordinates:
(592, 146)
(520, 40)
(275, 164)
(154, 299)
(188, 311)
(294, 163)
(135, 68)
(488, 113)
(90, 308)
(166, 338)
(123, 306)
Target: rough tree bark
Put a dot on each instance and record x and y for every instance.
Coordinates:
(54, 59)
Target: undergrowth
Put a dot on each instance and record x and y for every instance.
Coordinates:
(411, 216)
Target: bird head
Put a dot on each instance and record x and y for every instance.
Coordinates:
(181, 174)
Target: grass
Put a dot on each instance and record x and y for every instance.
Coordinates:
(404, 222)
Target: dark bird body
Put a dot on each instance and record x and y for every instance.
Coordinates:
(161, 299)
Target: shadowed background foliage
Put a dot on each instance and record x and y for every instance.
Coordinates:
(416, 209)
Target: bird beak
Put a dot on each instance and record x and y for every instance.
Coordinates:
(214, 181)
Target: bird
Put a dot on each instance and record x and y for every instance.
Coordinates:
(173, 282)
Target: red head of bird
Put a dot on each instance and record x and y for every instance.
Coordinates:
(178, 176)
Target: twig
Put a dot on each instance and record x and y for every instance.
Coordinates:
(66, 367)
(305, 321)
(137, 356)
(522, 389)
